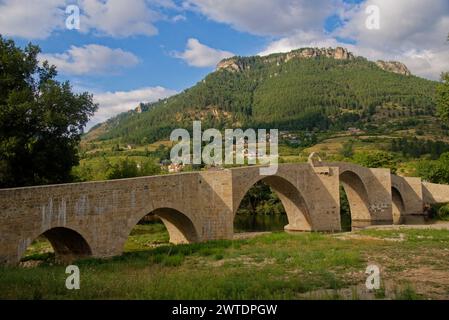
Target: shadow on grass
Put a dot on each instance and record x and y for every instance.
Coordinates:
(168, 255)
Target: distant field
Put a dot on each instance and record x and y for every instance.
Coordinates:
(296, 146)
(413, 265)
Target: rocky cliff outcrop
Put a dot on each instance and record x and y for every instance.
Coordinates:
(231, 64)
(307, 53)
(237, 64)
(394, 66)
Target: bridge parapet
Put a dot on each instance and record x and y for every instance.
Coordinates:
(435, 193)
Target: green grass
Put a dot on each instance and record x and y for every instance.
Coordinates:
(408, 293)
(272, 266)
(40, 249)
(147, 236)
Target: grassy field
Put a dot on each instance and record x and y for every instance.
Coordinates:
(413, 263)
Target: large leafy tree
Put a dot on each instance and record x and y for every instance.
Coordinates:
(41, 119)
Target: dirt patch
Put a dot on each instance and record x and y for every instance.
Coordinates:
(30, 264)
(430, 282)
(244, 260)
(355, 236)
(249, 235)
(439, 225)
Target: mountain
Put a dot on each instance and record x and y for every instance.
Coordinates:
(305, 89)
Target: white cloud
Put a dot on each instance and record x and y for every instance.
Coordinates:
(31, 19)
(113, 103)
(299, 40)
(427, 63)
(412, 31)
(200, 55)
(280, 17)
(179, 18)
(404, 24)
(91, 59)
(116, 18)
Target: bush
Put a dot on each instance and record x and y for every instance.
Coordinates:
(435, 171)
(443, 213)
(347, 150)
(376, 159)
(438, 212)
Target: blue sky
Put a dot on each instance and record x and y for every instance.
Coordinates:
(142, 50)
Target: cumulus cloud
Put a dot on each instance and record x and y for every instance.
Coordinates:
(427, 63)
(280, 17)
(404, 24)
(91, 59)
(31, 19)
(113, 103)
(411, 31)
(200, 55)
(116, 18)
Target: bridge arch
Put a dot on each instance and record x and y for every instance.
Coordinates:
(293, 202)
(180, 227)
(398, 205)
(68, 244)
(358, 199)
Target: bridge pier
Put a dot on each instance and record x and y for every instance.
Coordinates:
(368, 191)
(408, 203)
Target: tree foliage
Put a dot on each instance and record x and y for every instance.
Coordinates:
(123, 168)
(443, 97)
(436, 171)
(347, 150)
(376, 159)
(260, 199)
(415, 148)
(41, 119)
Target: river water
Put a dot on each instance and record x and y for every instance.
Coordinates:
(259, 222)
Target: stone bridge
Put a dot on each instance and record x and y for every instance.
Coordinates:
(96, 218)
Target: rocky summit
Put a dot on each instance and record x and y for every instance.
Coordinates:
(237, 64)
(394, 66)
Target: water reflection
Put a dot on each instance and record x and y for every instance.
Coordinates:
(259, 222)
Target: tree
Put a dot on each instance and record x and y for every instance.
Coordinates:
(149, 167)
(347, 150)
(435, 171)
(41, 119)
(123, 169)
(376, 159)
(443, 97)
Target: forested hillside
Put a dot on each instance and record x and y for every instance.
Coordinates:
(280, 91)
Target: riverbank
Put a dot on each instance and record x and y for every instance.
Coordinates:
(413, 265)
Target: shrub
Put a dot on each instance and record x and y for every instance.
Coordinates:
(435, 171)
(376, 159)
(443, 212)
